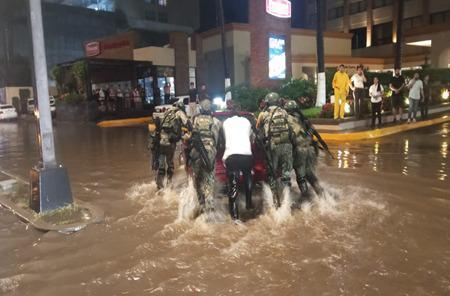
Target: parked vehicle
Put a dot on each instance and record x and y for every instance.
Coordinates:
(8, 112)
(31, 105)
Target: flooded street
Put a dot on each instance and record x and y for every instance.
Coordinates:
(383, 228)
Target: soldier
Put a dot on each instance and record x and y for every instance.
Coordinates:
(168, 133)
(304, 151)
(203, 149)
(273, 123)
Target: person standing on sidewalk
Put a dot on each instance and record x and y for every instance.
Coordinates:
(427, 97)
(376, 92)
(415, 87)
(396, 85)
(341, 84)
(357, 85)
(193, 99)
(238, 158)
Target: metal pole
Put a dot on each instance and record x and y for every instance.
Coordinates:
(221, 21)
(40, 70)
(321, 83)
(399, 43)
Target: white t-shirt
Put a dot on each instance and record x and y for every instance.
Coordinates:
(415, 89)
(375, 95)
(358, 80)
(237, 131)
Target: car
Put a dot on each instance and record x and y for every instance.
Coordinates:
(31, 105)
(161, 109)
(7, 112)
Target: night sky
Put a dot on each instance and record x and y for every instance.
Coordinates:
(237, 11)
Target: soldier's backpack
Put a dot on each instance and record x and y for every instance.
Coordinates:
(170, 128)
(278, 131)
(203, 125)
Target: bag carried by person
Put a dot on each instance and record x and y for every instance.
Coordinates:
(277, 131)
(170, 128)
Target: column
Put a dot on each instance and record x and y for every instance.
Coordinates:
(426, 20)
(179, 42)
(346, 16)
(369, 23)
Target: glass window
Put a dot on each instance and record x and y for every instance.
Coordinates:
(336, 12)
(440, 17)
(381, 3)
(357, 7)
(359, 38)
(162, 2)
(382, 34)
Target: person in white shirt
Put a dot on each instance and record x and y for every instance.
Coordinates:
(376, 92)
(357, 85)
(237, 131)
(415, 95)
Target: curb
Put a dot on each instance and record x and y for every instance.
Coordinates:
(383, 132)
(125, 122)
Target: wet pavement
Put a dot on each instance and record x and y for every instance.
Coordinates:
(382, 229)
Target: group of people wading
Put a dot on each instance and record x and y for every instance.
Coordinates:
(286, 137)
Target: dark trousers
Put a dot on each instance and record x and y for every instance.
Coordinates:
(236, 164)
(376, 113)
(424, 108)
(359, 99)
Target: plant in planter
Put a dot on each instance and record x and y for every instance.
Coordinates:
(301, 90)
(327, 111)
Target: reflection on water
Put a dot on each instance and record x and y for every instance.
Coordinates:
(422, 153)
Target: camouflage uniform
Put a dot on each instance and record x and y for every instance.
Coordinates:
(170, 133)
(204, 178)
(304, 152)
(274, 124)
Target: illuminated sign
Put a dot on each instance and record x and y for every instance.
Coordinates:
(277, 57)
(92, 49)
(279, 8)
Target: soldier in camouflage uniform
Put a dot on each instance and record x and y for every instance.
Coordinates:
(304, 151)
(208, 128)
(169, 129)
(273, 123)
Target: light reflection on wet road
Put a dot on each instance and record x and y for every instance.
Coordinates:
(387, 233)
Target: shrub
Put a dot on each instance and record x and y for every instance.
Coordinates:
(301, 90)
(327, 111)
(248, 98)
(71, 98)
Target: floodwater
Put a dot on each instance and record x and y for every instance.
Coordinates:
(383, 227)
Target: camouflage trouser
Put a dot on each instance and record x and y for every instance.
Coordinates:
(166, 155)
(281, 156)
(304, 160)
(204, 181)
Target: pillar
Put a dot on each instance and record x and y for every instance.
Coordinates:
(262, 25)
(346, 19)
(369, 23)
(426, 19)
(179, 42)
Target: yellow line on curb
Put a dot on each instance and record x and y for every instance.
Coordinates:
(382, 132)
(125, 122)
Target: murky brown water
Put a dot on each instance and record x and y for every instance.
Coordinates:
(387, 233)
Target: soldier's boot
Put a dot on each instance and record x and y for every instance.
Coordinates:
(312, 179)
(302, 185)
(248, 191)
(160, 180)
(233, 194)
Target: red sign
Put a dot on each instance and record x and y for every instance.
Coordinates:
(92, 49)
(279, 8)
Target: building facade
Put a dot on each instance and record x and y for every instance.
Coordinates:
(373, 23)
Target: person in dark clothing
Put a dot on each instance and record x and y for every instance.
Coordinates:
(427, 97)
(203, 93)
(396, 85)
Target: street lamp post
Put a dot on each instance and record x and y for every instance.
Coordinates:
(321, 79)
(50, 187)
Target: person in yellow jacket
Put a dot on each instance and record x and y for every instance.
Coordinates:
(341, 85)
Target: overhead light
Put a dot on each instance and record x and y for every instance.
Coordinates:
(424, 43)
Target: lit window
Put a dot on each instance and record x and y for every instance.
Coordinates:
(162, 2)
